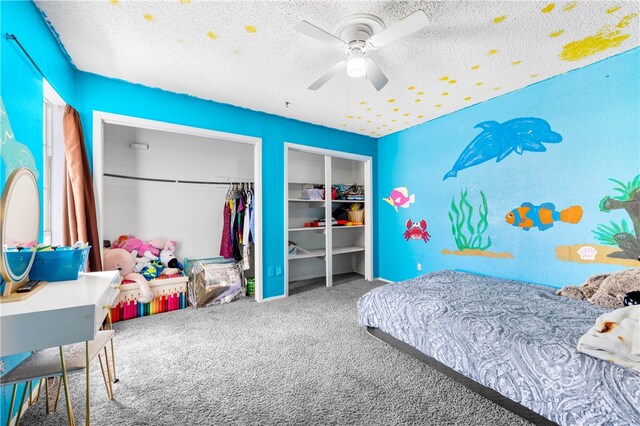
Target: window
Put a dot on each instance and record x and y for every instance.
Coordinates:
(53, 166)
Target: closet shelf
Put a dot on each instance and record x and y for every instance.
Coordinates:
(347, 226)
(307, 228)
(302, 200)
(347, 201)
(347, 249)
(311, 253)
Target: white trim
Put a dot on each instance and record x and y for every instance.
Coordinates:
(324, 151)
(271, 299)
(384, 280)
(285, 222)
(51, 95)
(101, 118)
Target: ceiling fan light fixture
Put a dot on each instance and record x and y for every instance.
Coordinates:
(356, 65)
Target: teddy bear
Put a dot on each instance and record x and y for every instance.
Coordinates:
(606, 290)
(123, 261)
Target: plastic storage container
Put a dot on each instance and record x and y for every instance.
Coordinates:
(62, 264)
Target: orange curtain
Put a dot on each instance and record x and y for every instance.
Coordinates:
(79, 206)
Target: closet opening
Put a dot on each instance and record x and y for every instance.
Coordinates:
(328, 217)
(161, 180)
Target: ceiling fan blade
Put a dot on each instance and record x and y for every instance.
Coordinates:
(328, 75)
(410, 24)
(375, 75)
(321, 35)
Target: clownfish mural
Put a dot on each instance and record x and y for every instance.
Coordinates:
(528, 216)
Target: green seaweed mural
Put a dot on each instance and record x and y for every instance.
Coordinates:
(621, 235)
(469, 235)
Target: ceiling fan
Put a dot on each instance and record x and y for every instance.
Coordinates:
(357, 35)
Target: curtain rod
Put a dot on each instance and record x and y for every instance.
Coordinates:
(197, 182)
(14, 38)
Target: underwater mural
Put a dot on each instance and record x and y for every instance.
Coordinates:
(500, 140)
(470, 236)
(620, 242)
(14, 154)
(400, 197)
(528, 216)
(417, 231)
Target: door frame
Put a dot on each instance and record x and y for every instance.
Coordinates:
(101, 118)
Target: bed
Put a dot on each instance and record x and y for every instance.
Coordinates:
(510, 341)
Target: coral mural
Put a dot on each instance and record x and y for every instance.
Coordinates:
(628, 240)
(500, 140)
(417, 231)
(620, 242)
(14, 154)
(470, 239)
(528, 216)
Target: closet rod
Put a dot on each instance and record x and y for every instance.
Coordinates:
(14, 38)
(197, 182)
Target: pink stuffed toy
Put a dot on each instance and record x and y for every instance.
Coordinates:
(137, 246)
(162, 244)
(123, 261)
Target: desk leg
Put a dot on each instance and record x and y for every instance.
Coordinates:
(104, 377)
(46, 394)
(13, 400)
(88, 413)
(106, 361)
(66, 388)
(24, 394)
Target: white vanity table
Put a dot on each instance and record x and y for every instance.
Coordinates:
(61, 313)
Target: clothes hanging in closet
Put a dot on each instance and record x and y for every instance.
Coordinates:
(237, 231)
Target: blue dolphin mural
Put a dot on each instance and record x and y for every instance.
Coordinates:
(499, 140)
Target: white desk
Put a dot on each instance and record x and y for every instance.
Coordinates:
(61, 313)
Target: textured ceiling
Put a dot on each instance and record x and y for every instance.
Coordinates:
(247, 53)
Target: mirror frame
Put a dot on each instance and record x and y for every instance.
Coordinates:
(6, 272)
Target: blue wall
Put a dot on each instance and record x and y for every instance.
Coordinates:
(595, 109)
(21, 91)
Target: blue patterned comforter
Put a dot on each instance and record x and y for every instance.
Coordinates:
(516, 338)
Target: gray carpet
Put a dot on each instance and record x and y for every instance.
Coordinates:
(301, 360)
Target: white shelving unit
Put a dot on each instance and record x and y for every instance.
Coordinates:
(331, 249)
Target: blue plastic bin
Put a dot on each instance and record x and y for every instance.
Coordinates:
(62, 264)
(19, 260)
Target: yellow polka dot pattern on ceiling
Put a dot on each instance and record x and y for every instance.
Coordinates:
(475, 67)
(604, 39)
(548, 8)
(479, 83)
(396, 109)
(499, 19)
(420, 93)
(363, 102)
(421, 116)
(185, 1)
(534, 75)
(468, 98)
(250, 29)
(444, 78)
(411, 87)
(406, 114)
(613, 9)
(556, 33)
(349, 116)
(392, 100)
(418, 100)
(626, 20)
(114, 2)
(492, 52)
(497, 88)
(518, 62)
(569, 6)
(212, 35)
(445, 93)
(453, 81)
(148, 17)
(438, 105)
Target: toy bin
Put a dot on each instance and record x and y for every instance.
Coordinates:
(61, 264)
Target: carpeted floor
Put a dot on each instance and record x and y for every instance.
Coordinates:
(300, 361)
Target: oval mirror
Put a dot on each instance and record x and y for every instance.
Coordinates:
(20, 225)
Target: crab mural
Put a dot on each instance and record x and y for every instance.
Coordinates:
(417, 231)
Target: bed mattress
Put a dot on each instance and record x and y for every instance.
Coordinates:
(516, 338)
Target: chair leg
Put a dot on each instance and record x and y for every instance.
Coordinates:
(55, 404)
(104, 377)
(13, 400)
(106, 361)
(88, 408)
(38, 393)
(113, 352)
(46, 394)
(66, 388)
(22, 400)
(30, 392)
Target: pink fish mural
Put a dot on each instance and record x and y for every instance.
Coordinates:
(400, 197)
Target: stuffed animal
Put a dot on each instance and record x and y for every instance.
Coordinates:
(123, 261)
(162, 244)
(170, 262)
(606, 290)
(137, 246)
(153, 269)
